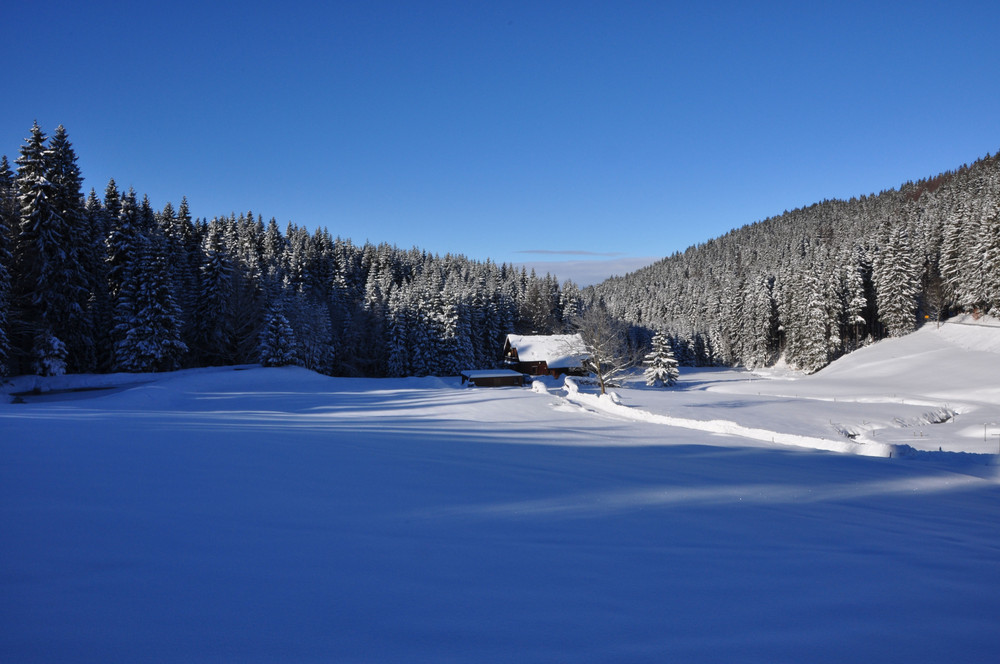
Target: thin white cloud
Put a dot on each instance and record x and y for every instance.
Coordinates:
(570, 252)
(589, 272)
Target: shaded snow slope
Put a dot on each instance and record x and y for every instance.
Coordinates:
(277, 515)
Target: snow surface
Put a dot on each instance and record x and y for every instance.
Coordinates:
(265, 515)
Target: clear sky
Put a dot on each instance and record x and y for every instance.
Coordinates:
(582, 137)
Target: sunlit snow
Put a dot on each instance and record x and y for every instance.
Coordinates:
(280, 515)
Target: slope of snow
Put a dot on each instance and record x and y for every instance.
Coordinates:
(935, 389)
(268, 515)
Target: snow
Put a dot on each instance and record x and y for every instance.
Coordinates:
(558, 351)
(279, 515)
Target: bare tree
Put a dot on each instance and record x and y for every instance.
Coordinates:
(610, 352)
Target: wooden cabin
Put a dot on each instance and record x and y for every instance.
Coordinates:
(546, 355)
(493, 378)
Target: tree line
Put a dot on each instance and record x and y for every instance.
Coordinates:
(815, 283)
(106, 283)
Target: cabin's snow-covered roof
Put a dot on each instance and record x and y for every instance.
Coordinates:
(559, 351)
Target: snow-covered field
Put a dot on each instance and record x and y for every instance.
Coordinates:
(279, 515)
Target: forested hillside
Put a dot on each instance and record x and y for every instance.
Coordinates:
(818, 282)
(106, 283)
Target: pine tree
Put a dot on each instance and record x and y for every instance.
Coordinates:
(661, 366)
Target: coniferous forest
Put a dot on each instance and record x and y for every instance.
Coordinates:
(813, 284)
(103, 282)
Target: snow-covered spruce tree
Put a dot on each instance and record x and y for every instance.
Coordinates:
(760, 325)
(48, 355)
(123, 237)
(426, 332)
(315, 335)
(538, 311)
(213, 328)
(45, 277)
(896, 283)
(249, 300)
(571, 303)
(398, 361)
(991, 258)
(35, 238)
(93, 257)
(8, 220)
(125, 248)
(683, 351)
(278, 346)
(807, 347)
(855, 302)
(151, 340)
(661, 366)
(455, 348)
(75, 279)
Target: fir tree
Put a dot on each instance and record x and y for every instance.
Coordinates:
(661, 366)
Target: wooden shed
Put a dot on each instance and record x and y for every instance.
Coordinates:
(493, 378)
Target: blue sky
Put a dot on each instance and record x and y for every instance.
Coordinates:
(582, 137)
